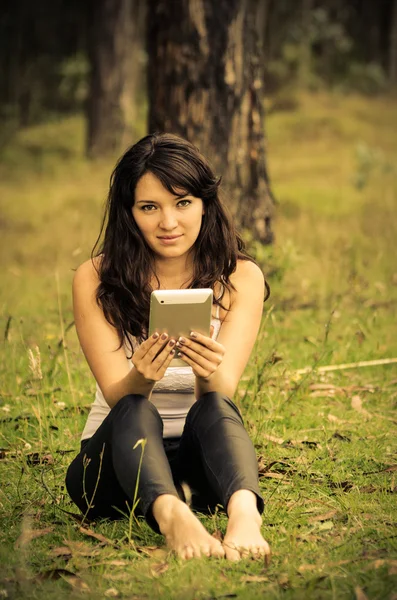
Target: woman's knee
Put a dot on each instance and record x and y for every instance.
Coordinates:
(214, 405)
(135, 413)
(130, 400)
(135, 403)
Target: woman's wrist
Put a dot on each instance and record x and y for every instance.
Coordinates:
(133, 383)
(204, 385)
(139, 383)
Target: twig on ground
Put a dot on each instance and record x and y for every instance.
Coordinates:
(356, 365)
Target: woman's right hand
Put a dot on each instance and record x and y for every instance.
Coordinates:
(145, 360)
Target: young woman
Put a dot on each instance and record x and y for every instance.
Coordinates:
(165, 228)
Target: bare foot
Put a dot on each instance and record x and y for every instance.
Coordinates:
(243, 534)
(183, 532)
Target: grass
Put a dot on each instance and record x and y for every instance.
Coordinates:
(326, 442)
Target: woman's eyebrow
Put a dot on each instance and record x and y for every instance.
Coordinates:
(156, 202)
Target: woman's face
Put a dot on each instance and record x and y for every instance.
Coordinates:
(170, 225)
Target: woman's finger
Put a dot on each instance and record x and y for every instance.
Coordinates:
(170, 354)
(163, 354)
(158, 347)
(208, 365)
(207, 353)
(206, 341)
(145, 347)
(197, 369)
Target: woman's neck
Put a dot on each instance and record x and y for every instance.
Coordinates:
(173, 273)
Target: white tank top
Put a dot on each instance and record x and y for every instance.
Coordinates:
(173, 395)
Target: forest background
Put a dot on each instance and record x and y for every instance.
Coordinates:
(295, 103)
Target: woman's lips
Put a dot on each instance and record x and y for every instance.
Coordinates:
(169, 239)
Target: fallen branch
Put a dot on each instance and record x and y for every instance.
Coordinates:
(356, 365)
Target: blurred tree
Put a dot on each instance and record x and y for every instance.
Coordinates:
(393, 46)
(115, 31)
(305, 45)
(35, 41)
(205, 83)
(328, 42)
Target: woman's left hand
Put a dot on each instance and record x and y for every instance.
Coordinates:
(202, 353)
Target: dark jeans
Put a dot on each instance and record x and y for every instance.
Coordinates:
(214, 456)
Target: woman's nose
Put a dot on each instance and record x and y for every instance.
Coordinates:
(168, 220)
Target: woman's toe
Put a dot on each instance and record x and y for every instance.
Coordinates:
(205, 551)
(187, 553)
(218, 551)
(231, 552)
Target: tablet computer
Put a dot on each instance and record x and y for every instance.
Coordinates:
(178, 312)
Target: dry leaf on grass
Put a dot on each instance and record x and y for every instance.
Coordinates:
(340, 436)
(27, 535)
(112, 593)
(334, 419)
(323, 394)
(76, 583)
(325, 386)
(97, 536)
(388, 469)
(309, 537)
(325, 517)
(301, 460)
(368, 489)
(325, 525)
(153, 551)
(393, 570)
(82, 549)
(71, 578)
(283, 580)
(253, 578)
(217, 535)
(304, 568)
(391, 564)
(54, 574)
(360, 595)
(62, 551)
(35, 458)
(357, 404)
(159, 568)
(273, 438)
(309, 443)
(264, 468)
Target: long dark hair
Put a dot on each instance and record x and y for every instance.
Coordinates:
(127, 262)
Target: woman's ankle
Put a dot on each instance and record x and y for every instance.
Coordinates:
(243, 502)
(164, 507)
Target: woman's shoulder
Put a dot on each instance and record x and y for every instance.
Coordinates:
(86, 275)
(248, 280)
(247, 271)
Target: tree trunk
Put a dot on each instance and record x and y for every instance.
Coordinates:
(113, 53)
(205, 84)
(393, 46)
(305, 53)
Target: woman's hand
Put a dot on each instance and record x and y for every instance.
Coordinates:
(151, 359)
(202, 353)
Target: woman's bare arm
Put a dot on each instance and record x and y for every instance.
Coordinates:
(99, 341)
(239, 330)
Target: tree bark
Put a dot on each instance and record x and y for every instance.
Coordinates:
(393, 45)
(305, 54)
(113, 54)
(205, 84)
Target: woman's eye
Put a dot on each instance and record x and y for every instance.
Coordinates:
(149, 207)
